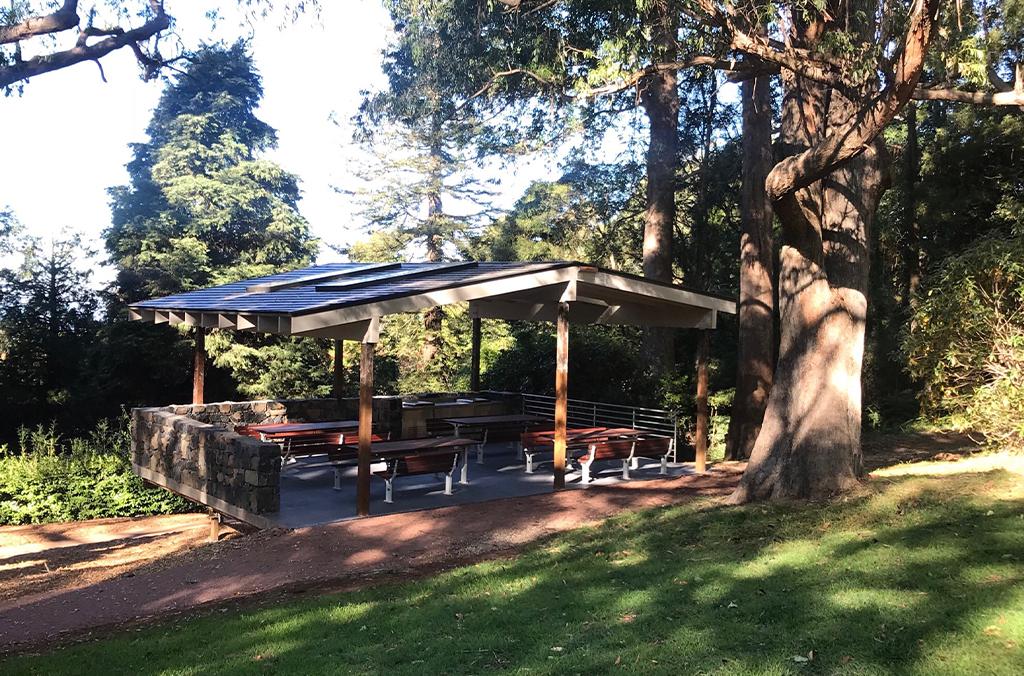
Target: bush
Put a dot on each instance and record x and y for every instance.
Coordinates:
(86, 478)
(966, 341)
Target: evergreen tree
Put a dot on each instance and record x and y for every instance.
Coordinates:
(47, 325)
(426, 142)
(203, 207)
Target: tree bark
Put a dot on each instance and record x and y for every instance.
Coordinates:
(756, 342)
(700, 435)
(809, 445)
(660, 100)
(911, 231)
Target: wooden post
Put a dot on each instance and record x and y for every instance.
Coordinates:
(474, 366)
(199, 366)
(561, 391)
(700, 440)
(339, 368)
(365, 428)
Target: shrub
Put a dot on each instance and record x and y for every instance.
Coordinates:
(85, 478)
(966, 341)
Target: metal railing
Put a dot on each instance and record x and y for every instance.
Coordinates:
(583, 413)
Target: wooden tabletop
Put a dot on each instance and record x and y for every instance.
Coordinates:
(495, 419)
(325, 426)
(410, 446)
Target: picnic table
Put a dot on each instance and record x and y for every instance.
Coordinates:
(285, 430)
(385, 450)
(505, 427)
(542, 440)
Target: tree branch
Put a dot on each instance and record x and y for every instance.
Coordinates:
(63, 19)
(633, 79)
(799, 171)
(1008, 98)
(799, 61)
(23, 70)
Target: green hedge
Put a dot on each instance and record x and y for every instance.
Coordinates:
(49, 479)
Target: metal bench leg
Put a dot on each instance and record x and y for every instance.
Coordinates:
(388, 492)
(529, 462)
(337, 478)
(586, 472)
(634, 463)
(465, 467)
(625, 469)
(448, 483)
(664, 464)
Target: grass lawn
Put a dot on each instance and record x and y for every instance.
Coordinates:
(916, 576)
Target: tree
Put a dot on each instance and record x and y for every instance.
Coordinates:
(756, 345)
(847, 70)
(204, 208)
(426, 140)
(47, 326)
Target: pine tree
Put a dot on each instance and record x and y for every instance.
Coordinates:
(203, 207)
(47, 324)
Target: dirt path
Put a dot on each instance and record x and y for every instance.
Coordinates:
(37, 558)
(345, 554)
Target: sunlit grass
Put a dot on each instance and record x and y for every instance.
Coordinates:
(921, 575)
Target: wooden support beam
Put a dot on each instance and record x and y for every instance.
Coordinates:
(561, 392)
(339, 368)
(365, 427)
(474, 366)
(700, 437)
(199, 366)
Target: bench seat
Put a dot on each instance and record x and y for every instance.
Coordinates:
(434, 462)
(626, 450)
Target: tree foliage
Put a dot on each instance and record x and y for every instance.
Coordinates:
(965, 342)
(204, 207)
(48, 320)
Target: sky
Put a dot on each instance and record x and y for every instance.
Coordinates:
(66, 138)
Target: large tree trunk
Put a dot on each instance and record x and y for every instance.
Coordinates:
(660, 100)
(809, 445)
(756, 345)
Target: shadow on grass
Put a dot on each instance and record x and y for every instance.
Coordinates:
(915, 576)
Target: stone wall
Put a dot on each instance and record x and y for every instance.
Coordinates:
(387, 412)
(205, 462)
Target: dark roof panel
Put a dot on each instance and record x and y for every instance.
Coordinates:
(361, 283)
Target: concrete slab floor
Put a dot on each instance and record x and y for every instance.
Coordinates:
(308, 497)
